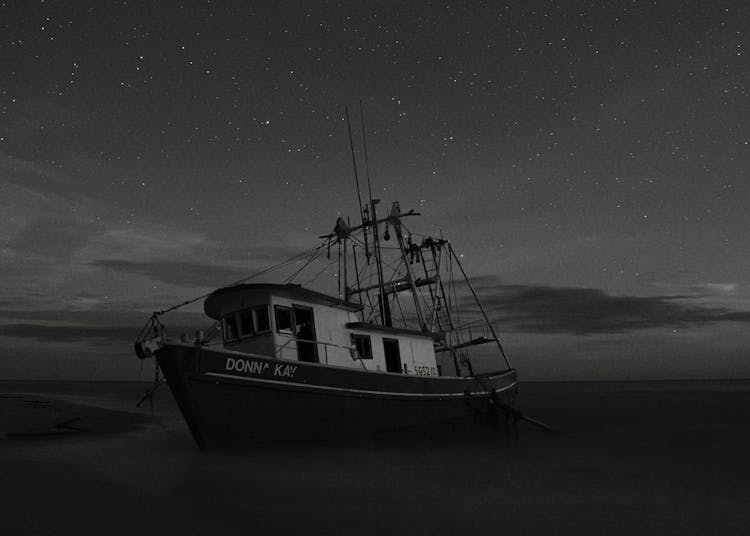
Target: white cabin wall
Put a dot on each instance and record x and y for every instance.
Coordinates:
(423, 360)
(335, 333)
(414, 351)
(329, 328)
(417, 352)
(377, 363)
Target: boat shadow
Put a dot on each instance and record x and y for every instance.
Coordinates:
(483, 431)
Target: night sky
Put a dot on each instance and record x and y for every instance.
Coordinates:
(589, 159)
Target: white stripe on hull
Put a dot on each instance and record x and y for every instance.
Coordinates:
(357, 391)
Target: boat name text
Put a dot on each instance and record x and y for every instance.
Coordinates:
(424, 370)
(250, 366)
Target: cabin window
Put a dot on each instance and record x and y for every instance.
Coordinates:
(245, 323)
(262, 322)
(363, 345)
(230, 328)
(284, 322)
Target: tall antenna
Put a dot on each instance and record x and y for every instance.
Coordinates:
(354, 162)
(364, 146)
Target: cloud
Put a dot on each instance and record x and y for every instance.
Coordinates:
(586, 311)
(98, 335)
(50, 187)
(145, 240)
(724, 288)
(114, 329)
(236, 263)
(100, 317)
(52, 237)
(176, 272)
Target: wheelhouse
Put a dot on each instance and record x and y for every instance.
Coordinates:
(294, 323)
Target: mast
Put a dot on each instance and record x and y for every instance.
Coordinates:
(385, 312)
(346, 278)
(395, 214)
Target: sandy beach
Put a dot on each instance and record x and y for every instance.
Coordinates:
(630, 458)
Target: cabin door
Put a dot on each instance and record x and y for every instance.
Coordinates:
(305, 330)
(392, 355)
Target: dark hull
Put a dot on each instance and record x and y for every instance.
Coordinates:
(228, 396)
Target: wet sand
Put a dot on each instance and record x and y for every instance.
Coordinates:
(631, 458)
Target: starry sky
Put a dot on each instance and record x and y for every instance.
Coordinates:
(589, 159)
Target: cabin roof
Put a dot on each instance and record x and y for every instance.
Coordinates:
(233, 298)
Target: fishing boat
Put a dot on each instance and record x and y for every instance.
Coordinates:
(390, 347)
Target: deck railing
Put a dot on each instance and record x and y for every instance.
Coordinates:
(352, 350)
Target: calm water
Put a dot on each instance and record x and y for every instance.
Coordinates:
(631, 458)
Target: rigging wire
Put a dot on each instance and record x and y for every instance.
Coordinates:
(479, 304)
(359, 285)
(338, 271)
(401, 310)
(283, 263)
(312, 257)
(317, 275)
(455, 303)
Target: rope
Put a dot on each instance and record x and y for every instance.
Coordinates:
(479, 304)
(309, 252)
(312, 257)
(314, 278)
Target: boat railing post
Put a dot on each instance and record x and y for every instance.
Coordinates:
(280, 349)
(326, 344)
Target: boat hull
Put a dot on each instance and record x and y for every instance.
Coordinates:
(228, 396)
